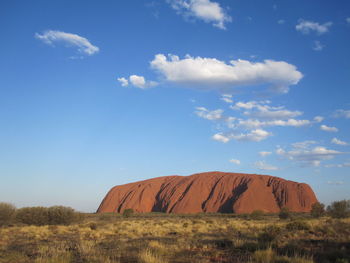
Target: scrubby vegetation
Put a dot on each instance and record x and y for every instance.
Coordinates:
(317, 210)
(163, 238)
(7, 213)
(339, 209)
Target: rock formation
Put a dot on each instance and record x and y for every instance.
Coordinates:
(210, 192)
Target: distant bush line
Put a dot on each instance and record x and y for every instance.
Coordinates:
(61, 215)
(55, 215)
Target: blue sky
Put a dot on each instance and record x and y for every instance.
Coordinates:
(100, 93)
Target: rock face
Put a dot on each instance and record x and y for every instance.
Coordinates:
(210, 192)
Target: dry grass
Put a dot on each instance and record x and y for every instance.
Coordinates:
(175, 239)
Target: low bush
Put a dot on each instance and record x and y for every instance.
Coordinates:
(297, 225)
(33, 215)
(317, 210)
(256, 215)
(7, 213)
(128, 212)
(284, 213)
(55, 215)
(339, 209)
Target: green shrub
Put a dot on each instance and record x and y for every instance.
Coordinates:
(317, 210)
(7, 213)
(60, 215)
(128, 212)
(339, 209)
(55, 215)
(256, 215)
(33, 215)
(284, 213)
(297, 225)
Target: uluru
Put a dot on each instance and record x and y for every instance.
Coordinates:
(210, 192)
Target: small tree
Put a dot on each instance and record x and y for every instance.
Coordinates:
(7, 213)
(284, 213)
(128, 212)
(339, 209)
(317, 210)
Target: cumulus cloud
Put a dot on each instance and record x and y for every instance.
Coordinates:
(318, 119)
(262, 110)
(235, 161)
(307, 27)
(206, 10)
(84, 46)
(348, 20)
(211, 73)
(328, 128)
(226, 98)
(137, 81)
(264, 154)
(338, 142)
(261, 165)
(221, 138)
(317, 46)
(342, 114)
(256, 116)
(308, 156)
(123, 81)
(256, 135)
(209, 115)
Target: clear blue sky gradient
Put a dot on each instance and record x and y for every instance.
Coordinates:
(70, 131)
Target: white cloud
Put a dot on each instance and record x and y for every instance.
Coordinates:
(318, 119)
(221, 138)
(338, 142)
(254, 123)
(348, 20)
(211, 73)
(342, 114)
(256, 135)
(206, 10)
(264, 154)
(137, 81)
(328, 128)
(303, 145)
(335, 182)
(261, 110)
(84, 46)
(261, 165)
(209, 115)
(317, 46)
(235, 161)
(123, 81)
(281, 21)
(226, 98)
(306, 27)
(308, 156)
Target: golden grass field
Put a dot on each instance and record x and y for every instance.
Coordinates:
(150, 238)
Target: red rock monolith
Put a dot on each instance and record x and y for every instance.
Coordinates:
(210, 192)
